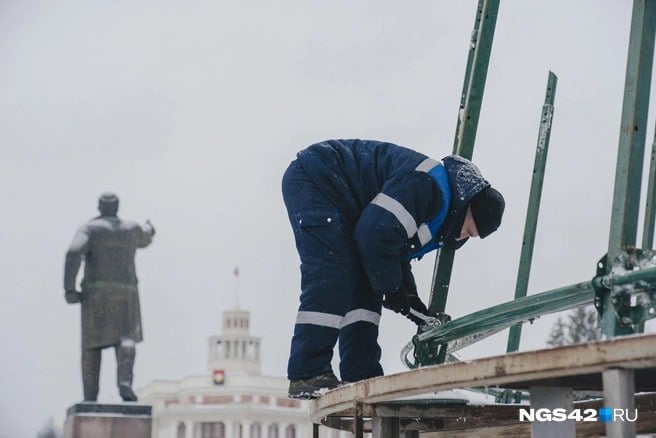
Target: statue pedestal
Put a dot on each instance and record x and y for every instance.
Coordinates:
(95, 420)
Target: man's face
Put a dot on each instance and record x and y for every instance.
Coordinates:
(469, 228)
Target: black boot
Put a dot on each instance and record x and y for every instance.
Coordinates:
(126, 393)
(125, 361)
(312, 387)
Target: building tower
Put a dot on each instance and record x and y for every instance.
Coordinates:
(233, 400)
(235, 351)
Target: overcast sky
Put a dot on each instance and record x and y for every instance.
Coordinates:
(191, 111)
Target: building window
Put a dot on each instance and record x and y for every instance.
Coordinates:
(256, 430)
(273, 431)
(212, 430)
(290, 431)
(217, 399)
(287, 403)
(182, 430)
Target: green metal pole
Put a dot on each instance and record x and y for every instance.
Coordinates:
(476, 326)
(650, 211)
(473, 88)
(646, 274)
(428, 346)
(468, 115)
(528, 242)
(630, 157)
(650, 207)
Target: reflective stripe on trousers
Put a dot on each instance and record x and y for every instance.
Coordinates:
(336, 300)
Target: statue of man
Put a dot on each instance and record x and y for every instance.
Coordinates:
(109, 295)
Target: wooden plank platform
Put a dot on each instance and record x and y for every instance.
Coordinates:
(464, 420)
(576, 366)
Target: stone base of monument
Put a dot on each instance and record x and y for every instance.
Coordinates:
(96, 420)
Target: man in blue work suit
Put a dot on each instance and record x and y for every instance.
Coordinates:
(360, 211)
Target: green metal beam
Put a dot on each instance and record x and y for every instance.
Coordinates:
(467, 125)
(650, 207)
(650, 211)
(478, 61)
(630, 157)
(631, 277)
(528, 242)
(476, 326)
(633, 128)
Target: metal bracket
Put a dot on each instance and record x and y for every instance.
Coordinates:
(430, 352)
(509, 396)
(631, 302)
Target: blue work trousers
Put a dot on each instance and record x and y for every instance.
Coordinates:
(336, 300)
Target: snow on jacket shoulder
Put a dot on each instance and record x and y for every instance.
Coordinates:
(353, 173)
(377, 186)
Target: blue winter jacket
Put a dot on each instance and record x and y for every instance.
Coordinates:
(379, 190)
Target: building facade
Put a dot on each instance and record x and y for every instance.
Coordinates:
(233, 400)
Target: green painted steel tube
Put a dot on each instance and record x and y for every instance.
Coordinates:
(475, 75)
(633, 127)
(470, 108)
(650, 207)
(630, 156)
(441, 279)
(510, 312)
(466, 127)
(650, 211)
(608, 281)
(528, 242)
(476, 326)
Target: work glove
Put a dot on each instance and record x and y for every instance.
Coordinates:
(416, 304)
(397, 301)
(72, 296)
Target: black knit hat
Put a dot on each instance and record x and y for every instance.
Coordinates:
(487, 209)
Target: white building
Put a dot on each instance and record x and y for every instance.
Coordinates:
(233, 400)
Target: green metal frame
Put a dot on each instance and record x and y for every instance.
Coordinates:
(650, 210)
(474, 327)
(528, 242)
(473, 88)
(429, 346)
(650, 207)
(624, 290)
(466, 127)
(630, 157)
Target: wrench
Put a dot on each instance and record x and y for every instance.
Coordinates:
(429, 320)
